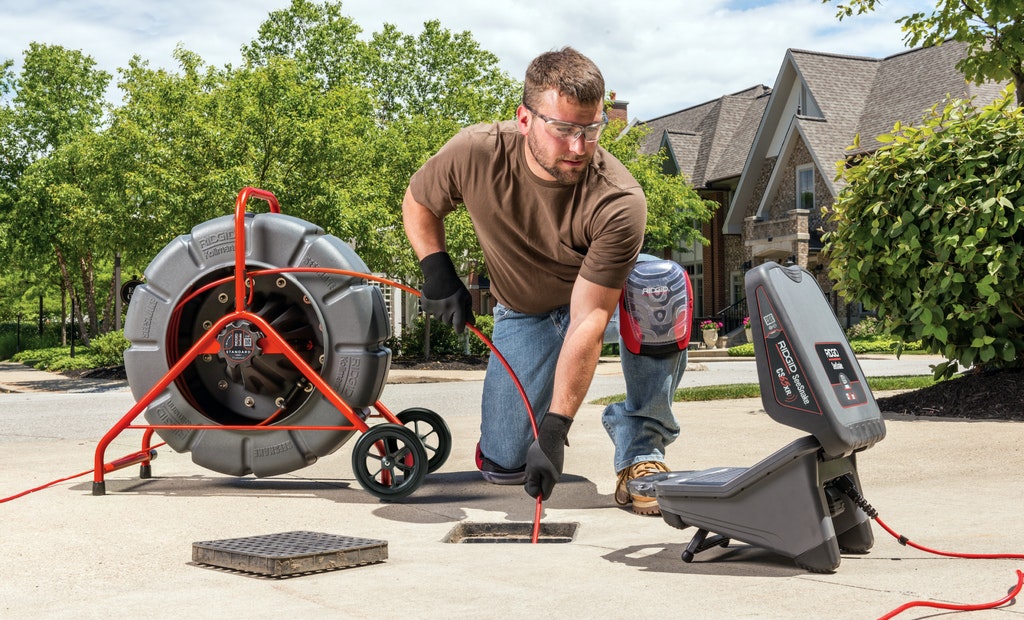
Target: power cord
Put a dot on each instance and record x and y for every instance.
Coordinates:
(845, 484)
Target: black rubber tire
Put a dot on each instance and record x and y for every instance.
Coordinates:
(433, 432)
(389, 461)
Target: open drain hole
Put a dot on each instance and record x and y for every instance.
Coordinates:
(511, 533)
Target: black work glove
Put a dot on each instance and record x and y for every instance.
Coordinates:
(546, 454)
(444, 294)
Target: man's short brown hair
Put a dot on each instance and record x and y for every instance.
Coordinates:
(568, 72)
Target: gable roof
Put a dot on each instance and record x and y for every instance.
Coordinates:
(708, 142)
(854, 95)
(910, 83)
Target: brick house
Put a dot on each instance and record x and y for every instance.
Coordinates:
(771, 163)
(708, 144)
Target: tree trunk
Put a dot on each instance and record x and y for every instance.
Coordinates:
(63, 316)
(66, 288)
(108, 310)
(77, 305)
(89, 290)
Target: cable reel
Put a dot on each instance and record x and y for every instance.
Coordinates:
(337, 324)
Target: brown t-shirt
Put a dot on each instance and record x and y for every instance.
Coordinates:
(536, 235)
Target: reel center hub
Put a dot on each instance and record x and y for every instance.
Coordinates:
(239, 343)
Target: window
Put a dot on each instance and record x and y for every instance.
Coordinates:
(737, 292)
(696, 272)
(805, 187)
(806, 105)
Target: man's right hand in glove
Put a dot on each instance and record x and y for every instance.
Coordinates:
(444, 294)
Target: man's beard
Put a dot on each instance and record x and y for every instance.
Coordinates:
(570, 176)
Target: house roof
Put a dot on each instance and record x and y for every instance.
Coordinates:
(907, 84)
(708, 142)
(854, 95)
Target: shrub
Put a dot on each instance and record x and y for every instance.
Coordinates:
(105, 350)
(926, 233)
(867, 327)
(108, 349)
(15, 338)
(742, 350)
(443, 339)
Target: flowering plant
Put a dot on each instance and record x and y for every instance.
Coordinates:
(709, 324)
(746, 321)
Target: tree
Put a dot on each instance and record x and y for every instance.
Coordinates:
(422, 90)
(929, 232)
(318, 37)
(59, 95)
(992, 29)
(58, 99)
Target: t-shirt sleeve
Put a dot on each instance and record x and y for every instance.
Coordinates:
(617, 241)
(437, 185)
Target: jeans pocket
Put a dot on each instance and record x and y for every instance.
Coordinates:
(502, 312)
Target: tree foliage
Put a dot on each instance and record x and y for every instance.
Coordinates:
(992, 29)
(56, 110)
(929, 232)
(333, 124)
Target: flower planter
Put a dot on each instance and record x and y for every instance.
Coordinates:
(750, 334)
(710, 337)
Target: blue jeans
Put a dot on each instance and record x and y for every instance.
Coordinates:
(643, 424)
(640, 428)
(530, 343)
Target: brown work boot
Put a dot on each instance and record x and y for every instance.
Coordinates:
(641, 505)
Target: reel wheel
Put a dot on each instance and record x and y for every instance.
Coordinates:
(433, 432)
(389, 461)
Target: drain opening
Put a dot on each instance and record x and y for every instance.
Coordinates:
(511, 533)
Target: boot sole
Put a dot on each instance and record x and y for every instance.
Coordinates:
(647, 509)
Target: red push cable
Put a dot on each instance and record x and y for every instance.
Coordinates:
(490, 345)
(1006, 599)
(903, 540)
(535, 535)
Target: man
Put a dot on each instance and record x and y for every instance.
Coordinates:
(560, 222)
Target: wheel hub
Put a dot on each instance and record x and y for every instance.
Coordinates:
(239, 343)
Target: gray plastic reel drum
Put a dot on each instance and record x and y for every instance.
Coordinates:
(337, 323)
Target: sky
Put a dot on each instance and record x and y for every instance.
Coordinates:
(660, 56)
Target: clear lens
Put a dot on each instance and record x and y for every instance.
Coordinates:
(570, 132)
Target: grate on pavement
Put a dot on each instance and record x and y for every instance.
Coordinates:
(289, 553)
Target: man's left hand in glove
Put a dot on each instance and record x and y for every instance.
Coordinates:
(546, 454)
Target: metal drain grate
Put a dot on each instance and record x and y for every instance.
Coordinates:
(289, 553)
(511, 533)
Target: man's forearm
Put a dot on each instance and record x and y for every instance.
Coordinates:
(575, 369)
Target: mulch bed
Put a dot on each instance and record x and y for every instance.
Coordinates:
(992, 395)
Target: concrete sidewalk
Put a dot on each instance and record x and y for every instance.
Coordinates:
(950, 485)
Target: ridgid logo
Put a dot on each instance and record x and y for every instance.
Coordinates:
(654, 290)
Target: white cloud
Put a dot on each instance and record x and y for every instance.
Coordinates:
(660, 55)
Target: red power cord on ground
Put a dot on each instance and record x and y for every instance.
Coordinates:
(903, 540)
(846, 485)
